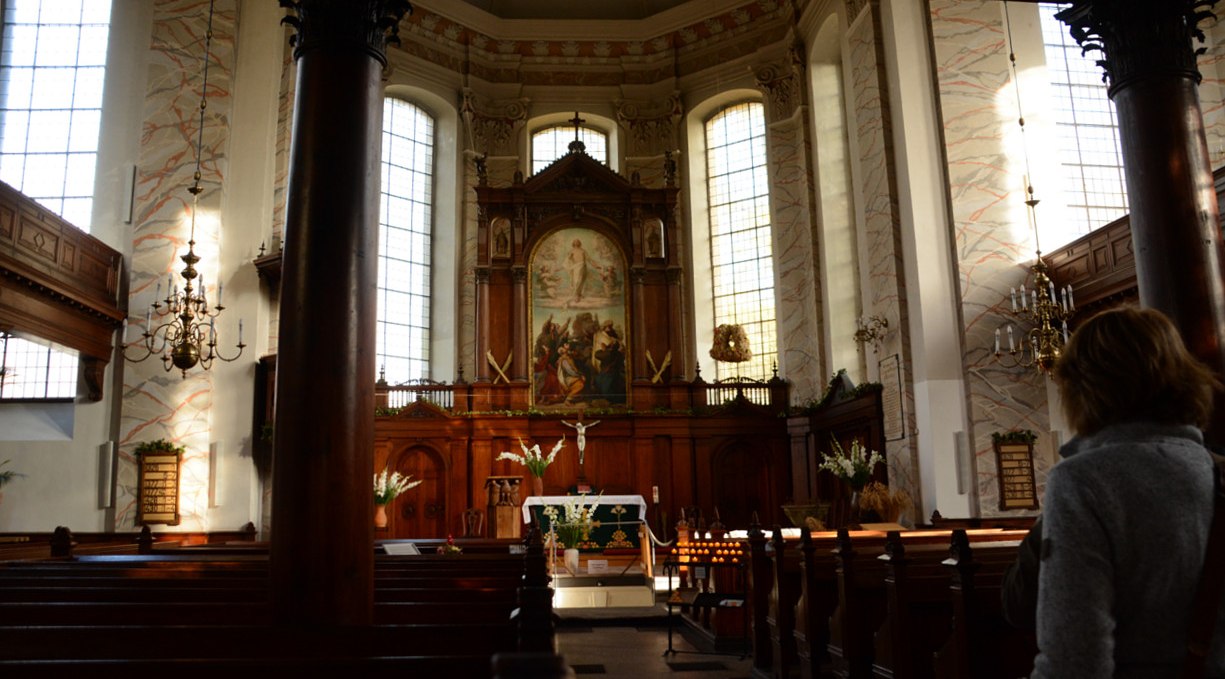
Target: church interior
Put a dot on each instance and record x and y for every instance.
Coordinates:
(693, 247)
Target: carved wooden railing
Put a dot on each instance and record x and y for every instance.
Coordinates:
(58, 283)
(771, 395)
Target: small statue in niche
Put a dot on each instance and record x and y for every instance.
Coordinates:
(501, 237)
(654, 238)
(482, 170)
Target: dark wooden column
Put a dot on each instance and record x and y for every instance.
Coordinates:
(521, 366)
(322, 505)
(1149, 58)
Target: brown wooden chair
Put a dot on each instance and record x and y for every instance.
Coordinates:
(474, 523)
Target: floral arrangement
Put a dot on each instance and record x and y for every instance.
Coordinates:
(450, 547)
(731, 344)
(575, 521)
(532, 458)
(855, 468)
(7, 475)
(388, 487)
(158, 446)
(887, 504)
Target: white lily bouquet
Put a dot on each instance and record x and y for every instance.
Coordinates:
(532, 458)
(854, 468)
(573, 523)
(388, 486)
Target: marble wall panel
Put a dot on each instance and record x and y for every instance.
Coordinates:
(992, 237)
(797, 296)
(885, 293)
(1212, 90)
(160, 404)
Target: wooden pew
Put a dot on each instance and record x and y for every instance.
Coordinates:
(920, 608)
(198, 612)
(981, 643)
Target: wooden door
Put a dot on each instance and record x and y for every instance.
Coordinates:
(420, 512)
(739, 490)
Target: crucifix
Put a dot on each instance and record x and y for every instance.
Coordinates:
(577, 145)
(581, 428)
(577, 123)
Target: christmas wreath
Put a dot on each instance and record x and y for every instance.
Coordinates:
(731, 344)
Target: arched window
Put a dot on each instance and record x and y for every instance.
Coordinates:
(405, 225)
(551, 143)
(1093, 189)
(741, 251)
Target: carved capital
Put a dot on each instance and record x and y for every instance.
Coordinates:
(780, 87)
(1139, 37)
(492, 124)
(652, 127)
(519, 274)
(853, 8)
(482, 275)
(368, 25)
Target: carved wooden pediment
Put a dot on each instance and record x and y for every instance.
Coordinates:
(576, 172)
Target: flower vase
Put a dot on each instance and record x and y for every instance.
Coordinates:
(380, 516)
(853, 514)
(571, 560)
(538, 486)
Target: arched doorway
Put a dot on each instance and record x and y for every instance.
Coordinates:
(420, 512)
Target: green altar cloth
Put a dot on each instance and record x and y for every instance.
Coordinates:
(615, 525)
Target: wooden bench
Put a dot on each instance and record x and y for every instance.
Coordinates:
(200, 611)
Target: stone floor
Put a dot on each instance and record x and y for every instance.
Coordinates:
(631, 643)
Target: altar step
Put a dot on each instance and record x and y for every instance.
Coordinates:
(606, 590)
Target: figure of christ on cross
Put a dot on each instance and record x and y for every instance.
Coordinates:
(581, 428)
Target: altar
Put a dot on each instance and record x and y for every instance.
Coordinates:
(614, 526)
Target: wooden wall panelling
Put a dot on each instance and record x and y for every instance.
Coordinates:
(58, 283)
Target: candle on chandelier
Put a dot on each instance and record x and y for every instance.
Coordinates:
(240, 332)
(1052, 286)
(203, 291)
(1012, 292)
(1071, 302)
(219, 288)
(1064, 295)
(1034, 299)
(212, 332)
(158, 295)
(1065, 332)
(1012, 348)
(148, 319)
(997, 341)
(1024, 299)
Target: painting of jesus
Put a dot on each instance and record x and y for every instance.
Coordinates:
(578, 321)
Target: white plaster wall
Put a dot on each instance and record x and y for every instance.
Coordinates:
(935, 326)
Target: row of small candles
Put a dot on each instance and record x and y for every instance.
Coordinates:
(711, 551)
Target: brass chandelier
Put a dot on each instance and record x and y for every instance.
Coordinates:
(188, 337)
(1045, 306)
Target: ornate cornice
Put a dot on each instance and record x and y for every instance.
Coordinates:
(492, 123)
(652, 127)
(369, 25)
(1139, 37)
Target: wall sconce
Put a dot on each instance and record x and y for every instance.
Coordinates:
(871, 329)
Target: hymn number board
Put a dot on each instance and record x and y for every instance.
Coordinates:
(1015, 462)
(159, 489)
